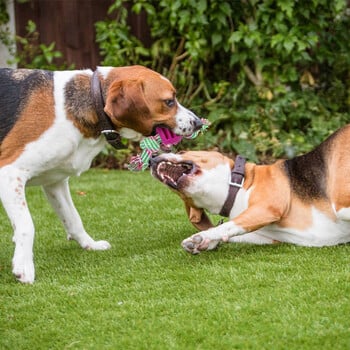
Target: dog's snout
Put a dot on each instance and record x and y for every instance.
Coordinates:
(196, 123)
(152, 160)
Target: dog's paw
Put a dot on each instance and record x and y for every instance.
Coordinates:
(23, 270)
(98, 245)
(197, 243)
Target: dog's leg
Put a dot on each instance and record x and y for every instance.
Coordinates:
(252, 238)
(60, 198)
(342, 214)
(250, 220)
(12, 194)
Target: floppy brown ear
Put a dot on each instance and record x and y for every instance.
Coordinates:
(125, 102)
(198, 217)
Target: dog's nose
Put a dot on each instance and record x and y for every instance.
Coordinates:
(196, 123)
(152, 160)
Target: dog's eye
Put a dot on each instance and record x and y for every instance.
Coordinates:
(170, 102)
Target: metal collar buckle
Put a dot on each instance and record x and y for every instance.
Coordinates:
(236, 184)
(109, 132)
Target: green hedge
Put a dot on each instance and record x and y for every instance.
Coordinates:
(273, 76)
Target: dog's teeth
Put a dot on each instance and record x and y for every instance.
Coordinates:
(169, 172)
(171, 180)
(160, 168)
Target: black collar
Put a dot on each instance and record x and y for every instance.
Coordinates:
(105, 125)
(237, 180)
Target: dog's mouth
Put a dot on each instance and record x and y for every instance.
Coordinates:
(173, 174)
(159, 126)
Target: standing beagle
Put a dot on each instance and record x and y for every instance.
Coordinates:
(304, 200)
(52, 124)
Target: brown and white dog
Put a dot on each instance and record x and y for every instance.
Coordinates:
(304, 200)
(52, 124)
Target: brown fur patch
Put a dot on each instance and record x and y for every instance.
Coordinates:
(338, 183)
(127, 107)
(197, 216)
(269, 199)
(207, 160)
(36, 117)
(299, 215)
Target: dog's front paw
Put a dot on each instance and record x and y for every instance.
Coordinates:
(197, 243)
(98, 245)
(23, 270)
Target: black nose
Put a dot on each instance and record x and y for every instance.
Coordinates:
(152, 160)
(196, 123)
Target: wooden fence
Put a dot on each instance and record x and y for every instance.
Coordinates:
(70, 24)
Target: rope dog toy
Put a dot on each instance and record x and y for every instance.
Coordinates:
(162, 140)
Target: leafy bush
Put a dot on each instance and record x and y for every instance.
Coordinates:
(273, 76)
(34, 54)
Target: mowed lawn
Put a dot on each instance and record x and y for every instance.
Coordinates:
(147, 293)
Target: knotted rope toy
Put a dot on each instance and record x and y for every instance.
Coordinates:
(162, 140)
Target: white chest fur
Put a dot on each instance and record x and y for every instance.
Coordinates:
(46, 162)
(210, 189)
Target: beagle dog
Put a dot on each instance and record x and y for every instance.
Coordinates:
(53, 123)
(304, 200)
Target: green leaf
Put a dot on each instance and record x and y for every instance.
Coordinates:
(248, 41)
(276, 39)
(225, 8)
(288, 44)
(236, 37)
(201, 5)
(287, 7)
(216, 38)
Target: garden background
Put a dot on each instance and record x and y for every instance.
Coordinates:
(272, 76)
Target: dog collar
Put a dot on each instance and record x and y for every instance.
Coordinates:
(105, 124)
(236, 183)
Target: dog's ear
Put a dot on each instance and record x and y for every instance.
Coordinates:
(126, 104)
(198, 217)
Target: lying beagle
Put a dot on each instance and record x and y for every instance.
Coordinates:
(52, 124)
(304, 200)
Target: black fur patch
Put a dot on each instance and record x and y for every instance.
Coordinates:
(16, 85)
(308, 173)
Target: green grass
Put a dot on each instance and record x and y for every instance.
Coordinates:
(147, 293)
